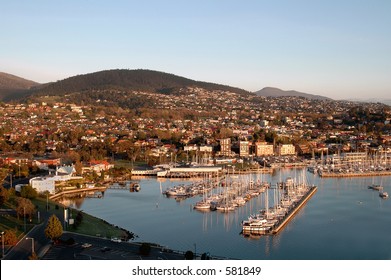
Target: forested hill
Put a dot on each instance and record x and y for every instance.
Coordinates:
(138, 80)
(12, 86)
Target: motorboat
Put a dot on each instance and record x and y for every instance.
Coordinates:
(383, 194)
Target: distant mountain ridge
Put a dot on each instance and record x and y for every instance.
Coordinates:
(121, 79)
(276, 92)
(12, 86)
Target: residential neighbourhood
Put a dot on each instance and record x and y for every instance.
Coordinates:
(197, 125)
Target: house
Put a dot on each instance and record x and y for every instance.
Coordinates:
(98, 166)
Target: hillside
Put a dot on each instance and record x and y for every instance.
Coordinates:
(137, 80)
(276, 92)
(13, 86)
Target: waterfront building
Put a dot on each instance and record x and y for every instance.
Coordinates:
(225, 145)
(286, 149)
(244, 150)
(263, 149)
(190, 147)
(355, 157)
(42, 184)
(206, 148)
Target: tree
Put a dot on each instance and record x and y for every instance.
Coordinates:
(54, 228)
(144, 249)
(189, 255)
(29, 192)
(4, 195)
(24, 206)
(10, 237)
(78, 168)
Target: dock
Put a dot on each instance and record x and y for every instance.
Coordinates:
(294, 210)
(266, 226)
(354, 174)
(79, 192)
(122, 185)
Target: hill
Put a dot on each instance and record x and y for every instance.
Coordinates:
(137, 80)
(13, 86)
(276, 92)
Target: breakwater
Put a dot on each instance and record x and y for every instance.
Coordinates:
(294, 210)
(354, 174)
(272, 220)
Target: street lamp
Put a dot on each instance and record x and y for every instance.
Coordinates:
(2, 242)
(24, 217)
(32, 244)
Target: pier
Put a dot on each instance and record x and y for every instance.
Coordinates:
(267, 223)
(121, 185)
(79, 192)
(294, 210)
(353, 174)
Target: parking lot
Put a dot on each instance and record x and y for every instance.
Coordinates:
(94, 248)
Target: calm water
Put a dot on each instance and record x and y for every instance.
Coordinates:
(343, 220)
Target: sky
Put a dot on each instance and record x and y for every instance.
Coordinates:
(336, 48)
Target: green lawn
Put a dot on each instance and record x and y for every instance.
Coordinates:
(90, 225)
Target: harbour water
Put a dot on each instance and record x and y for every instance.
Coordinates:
(343, 220)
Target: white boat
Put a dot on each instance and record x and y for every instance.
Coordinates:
(225, 207)
(259, 226)
(383, 194)
(202, 205)
(375, 187)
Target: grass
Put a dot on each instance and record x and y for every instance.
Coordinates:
(128, 164)
(90, 225)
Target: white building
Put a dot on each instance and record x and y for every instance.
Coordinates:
(42, 184)
(286, 149)
(244, 148)
(47, 183)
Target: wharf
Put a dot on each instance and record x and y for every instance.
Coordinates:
(354, 174)
(273, 227)
(79, 191)
(294, 210)
(121, 185)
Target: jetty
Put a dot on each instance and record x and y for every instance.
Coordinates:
(81, 191)
(279, 225)
(273, 219)
(353, 174)
(121, 185)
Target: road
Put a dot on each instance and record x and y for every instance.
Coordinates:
(35, 238)
(100, 249)
(104, 249)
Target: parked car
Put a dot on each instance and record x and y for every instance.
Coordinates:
(105, 249)
(115, 239)
(86, 245)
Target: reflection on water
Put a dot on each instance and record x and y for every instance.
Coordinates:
(338, 222)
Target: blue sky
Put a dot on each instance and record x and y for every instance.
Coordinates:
(340, 49)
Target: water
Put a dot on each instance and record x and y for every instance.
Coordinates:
(343, 220)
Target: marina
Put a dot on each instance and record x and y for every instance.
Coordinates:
(337, 221)
(289, 197)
